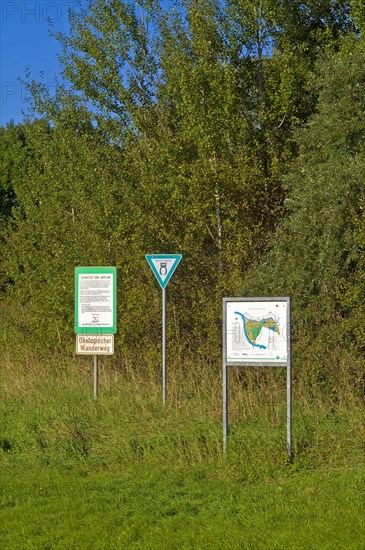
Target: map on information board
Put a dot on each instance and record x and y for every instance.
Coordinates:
(256, 331)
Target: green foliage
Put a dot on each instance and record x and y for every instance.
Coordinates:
(175, 135)
(11, 156)
(179, 132)
(317, 252)
(63, 218)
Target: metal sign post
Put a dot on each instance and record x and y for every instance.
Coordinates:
(95, 376)
(95, 313)
(289, 403)
(225, 406)
(164, 346)
(163, 266)
(256, 332)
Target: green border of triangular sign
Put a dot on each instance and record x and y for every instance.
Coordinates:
(151, 257)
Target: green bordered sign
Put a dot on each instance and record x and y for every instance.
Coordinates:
(163, 266)
(95, 300)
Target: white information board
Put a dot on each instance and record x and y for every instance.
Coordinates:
(95, 300)
(256, 331)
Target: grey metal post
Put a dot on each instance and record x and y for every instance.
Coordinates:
(288, 410)
(289, 397)
(95, 376)
(164, 346)
(225, 407)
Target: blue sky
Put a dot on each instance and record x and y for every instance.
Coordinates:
(25, 41)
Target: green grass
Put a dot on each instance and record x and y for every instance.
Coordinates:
(180, 508)
(125, 472)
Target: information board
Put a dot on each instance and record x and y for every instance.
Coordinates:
(95, 300)
(256, 331)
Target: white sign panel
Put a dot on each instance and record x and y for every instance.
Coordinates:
(163, 267)
(95, 300)
(257, 331)
(93, 344)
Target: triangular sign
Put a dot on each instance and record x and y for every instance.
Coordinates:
(163, 266)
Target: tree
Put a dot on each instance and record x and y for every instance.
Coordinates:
(66, 199)
(191, 113)
(12, 156)
(108, 58)
(317, 253)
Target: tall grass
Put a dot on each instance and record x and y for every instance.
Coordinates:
(49, 418)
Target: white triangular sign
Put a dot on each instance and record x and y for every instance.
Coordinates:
(163, 266)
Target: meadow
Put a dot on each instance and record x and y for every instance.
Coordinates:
(126, 472)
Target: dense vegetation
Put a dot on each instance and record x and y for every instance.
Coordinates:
(232, 132)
